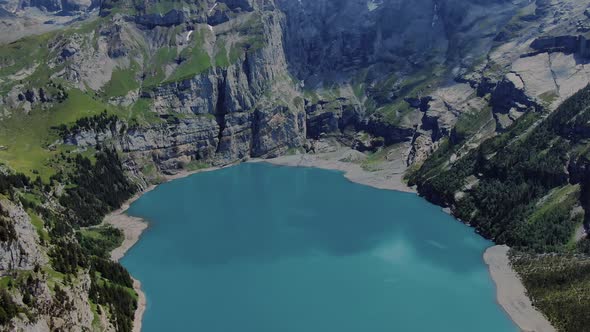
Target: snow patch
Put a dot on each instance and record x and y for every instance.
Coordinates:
(435, 17)
(373, 4)
(212, 8)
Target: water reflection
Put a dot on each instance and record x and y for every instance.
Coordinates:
(249, 214)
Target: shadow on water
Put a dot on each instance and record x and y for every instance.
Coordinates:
(252, 214)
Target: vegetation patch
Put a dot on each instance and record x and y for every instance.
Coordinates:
(558, 285)
(193, 60)
(374, 160)
(39, 226)
(100, 241)
(28, 138)
(122, 81)
(100, 188)
(470, 123)
(155, 72)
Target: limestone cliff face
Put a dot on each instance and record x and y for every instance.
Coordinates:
(263, 132)
(236, 88)
(224, 114)
(351, 49)
(23, 252)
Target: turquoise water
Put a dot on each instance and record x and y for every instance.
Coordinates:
(261, 248)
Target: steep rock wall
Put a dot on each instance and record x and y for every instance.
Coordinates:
(23, 252)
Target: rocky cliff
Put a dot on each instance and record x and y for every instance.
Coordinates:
(21, 250)
(385, 57)
(245, 107)
(332, 39)
(23, 263)
(456, 57)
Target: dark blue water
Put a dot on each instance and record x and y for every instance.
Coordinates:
(261, 248)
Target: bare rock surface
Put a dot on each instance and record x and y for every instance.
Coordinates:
(24, 252)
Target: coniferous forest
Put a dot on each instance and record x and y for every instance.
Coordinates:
(96, 187)
(528, 188)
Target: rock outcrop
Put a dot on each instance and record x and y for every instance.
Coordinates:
(565, 44)
(64, 6)
(71, 312)
(332, 117)
(264, 132)
(22, 251)
(171, 18)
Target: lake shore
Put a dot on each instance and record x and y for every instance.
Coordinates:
(511, 294)
(389, 179)
(510, 291)
(132, 229)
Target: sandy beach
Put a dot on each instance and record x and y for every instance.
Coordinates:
(511, 294)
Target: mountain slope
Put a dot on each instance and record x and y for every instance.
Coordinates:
(527, 188)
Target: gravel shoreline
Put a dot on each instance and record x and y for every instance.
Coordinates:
(381, 179)
(511, 294)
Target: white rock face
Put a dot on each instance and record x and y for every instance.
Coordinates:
(571, 74)
(23, 253)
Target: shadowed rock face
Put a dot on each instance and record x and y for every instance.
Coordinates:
(23, 252)
(327, 36)
(60, 5)
(565, 44)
